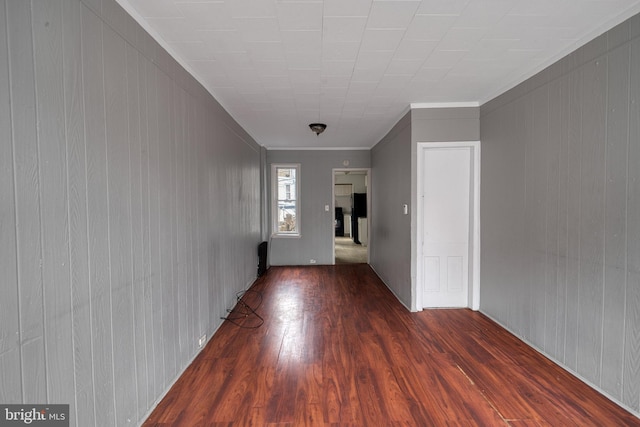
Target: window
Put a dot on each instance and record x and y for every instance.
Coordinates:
(285, 181)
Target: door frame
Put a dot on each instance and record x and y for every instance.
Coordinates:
(474, 212)
(333, 207)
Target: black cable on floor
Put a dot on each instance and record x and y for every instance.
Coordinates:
(244, 310)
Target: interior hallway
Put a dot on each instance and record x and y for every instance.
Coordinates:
(335, 347)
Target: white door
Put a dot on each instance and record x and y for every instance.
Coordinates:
(445, 233)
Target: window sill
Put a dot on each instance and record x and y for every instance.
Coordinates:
(285, 236)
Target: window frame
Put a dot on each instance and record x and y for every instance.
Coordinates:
(274, 200)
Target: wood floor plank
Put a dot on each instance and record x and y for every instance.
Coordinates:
(337, 349)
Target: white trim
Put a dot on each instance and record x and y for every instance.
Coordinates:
(474, 285)
(419, 105)
(333, 217)
(274, 201)
(316, 148)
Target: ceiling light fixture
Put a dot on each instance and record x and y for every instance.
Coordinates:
(317, 128)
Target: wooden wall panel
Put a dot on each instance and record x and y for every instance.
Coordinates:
(190, 221)
(573, 219)
(552, 289)
(204, 304)
(52, 148)
(592, 219)
(11, 376)
(27, 203)
(562, 115)
(182, 287)
(11, 390)
(98, 216)
(173, 284)
(514, 242)
(155, 278)
(526, 289)
(165, 220)
(176, 256)
(116, 118)
(8, 258)
(537, 209)
(77, 205)
(615, 218)
(150, 364)
(136, 198)
(191, 176)
(582, 171)
(34, 388)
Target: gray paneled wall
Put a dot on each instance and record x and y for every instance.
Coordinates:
(129, 211)
(390, 251)
(317, 225)
(395, 167)
(561, 212)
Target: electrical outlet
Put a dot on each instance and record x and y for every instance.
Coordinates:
(312, 261)
(202, 340)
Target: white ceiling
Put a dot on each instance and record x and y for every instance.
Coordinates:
(357, 65)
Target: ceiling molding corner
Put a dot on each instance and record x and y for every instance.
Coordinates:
(419, 105)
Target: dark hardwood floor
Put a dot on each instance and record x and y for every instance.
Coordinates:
(337, 349)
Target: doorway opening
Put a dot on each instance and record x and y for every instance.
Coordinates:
(352, 216)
